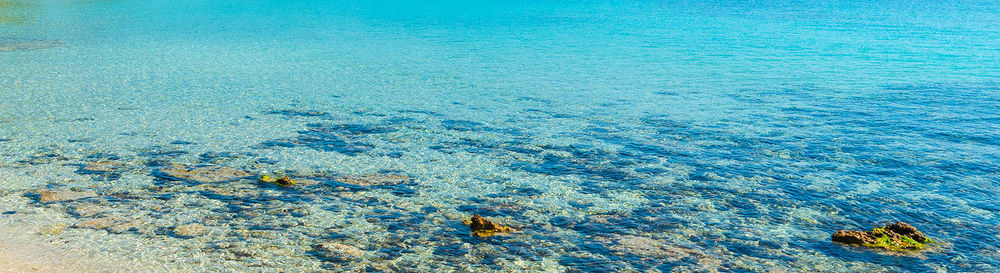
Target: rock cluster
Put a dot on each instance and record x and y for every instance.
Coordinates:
(897, 236)
(482, 227)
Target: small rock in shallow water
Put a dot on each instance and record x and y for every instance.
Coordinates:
(898, 236)
(482, 227)
(338, 251)
(286, 181)
(190, 230)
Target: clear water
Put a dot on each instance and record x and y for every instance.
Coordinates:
(616, 135)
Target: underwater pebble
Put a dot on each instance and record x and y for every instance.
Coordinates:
(190, 230)
(57, 196)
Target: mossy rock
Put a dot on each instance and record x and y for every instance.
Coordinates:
(898, 236)
(283, 181)
(483, 227)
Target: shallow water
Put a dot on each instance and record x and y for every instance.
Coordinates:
(632, 136)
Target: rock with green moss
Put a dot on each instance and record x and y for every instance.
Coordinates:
(482, 227)
(283, 181)
(898, 236)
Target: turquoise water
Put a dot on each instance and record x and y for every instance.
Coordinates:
(616, 136)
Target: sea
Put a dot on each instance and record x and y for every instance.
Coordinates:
(613, 136)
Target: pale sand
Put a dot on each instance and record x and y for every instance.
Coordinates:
(42, 257)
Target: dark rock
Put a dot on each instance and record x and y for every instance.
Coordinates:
(907, 230)
(853, 237)
(285, 181)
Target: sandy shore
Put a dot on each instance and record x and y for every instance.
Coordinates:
(42, 257)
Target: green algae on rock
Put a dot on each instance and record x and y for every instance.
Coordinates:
(898, 236)
(482, 227)
(284, 181)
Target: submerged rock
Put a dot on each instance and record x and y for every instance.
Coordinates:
(99, 223)
(57, 196)
(483, 227)
(338, 251)
(647, 248)
(652, 248)
(190, 230)
(206, 174)
(898, 236)
(10, 45)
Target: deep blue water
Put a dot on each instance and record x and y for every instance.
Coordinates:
(616, 135)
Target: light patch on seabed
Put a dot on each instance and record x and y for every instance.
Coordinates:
(23, 249)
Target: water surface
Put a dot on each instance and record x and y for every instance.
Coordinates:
(618, 136)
